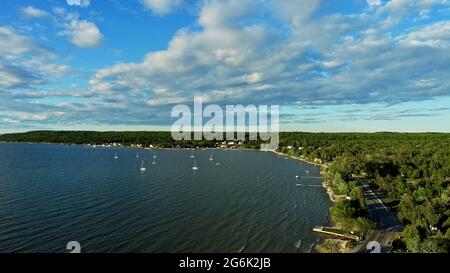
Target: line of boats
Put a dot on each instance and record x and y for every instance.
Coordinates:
(142, 168)
(194, 167)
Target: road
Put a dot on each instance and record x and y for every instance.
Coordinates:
(385, 220)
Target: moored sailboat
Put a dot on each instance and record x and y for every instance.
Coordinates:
(195, 166)
(142, 169)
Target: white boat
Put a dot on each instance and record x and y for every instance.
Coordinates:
(296, 176)
(298, 244)
(307, 172)
(192, 155)
(137, 155)
(195, 166)
(116, 156)
(154, 155)
(154, 162)
(211, 158)
(217, 164)
(142, 169)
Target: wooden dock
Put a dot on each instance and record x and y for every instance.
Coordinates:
(310, 186)
(336, 232)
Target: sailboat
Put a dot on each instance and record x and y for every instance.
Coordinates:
(192, 155)
(154, 155)
(299, 184)
(211, 158)
(137, 155)
(154, 162)
(142, 169)
(116, 156)
(195, 166)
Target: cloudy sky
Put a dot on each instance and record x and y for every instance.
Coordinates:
(332, 65)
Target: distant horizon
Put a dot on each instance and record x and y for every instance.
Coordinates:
(168, 131)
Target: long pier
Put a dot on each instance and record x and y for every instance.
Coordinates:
(336, 232)
(309, 186)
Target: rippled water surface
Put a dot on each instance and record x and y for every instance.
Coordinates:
(53, 194)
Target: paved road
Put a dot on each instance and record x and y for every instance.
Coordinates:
(385, 220)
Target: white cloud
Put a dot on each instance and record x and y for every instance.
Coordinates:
(395, 11)
(162, 7)
(11, 77)
(294, 11)
(330, 59)
(58, 10)
(32, 12)
(220, 14)
(252, 78)
(436, 35)
(331, 64)
(374, 2)
(45, 68)
(81, 3)
(83, 33)
(13, 45)
(24, 63)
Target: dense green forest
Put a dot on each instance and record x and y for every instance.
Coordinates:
(412, 171)
(157, 139)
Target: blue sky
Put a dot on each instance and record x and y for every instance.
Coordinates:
(355, 65)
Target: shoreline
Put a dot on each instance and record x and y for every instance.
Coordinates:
(323, 167)
(331, 196)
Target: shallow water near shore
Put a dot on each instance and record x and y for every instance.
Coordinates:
(53, 194)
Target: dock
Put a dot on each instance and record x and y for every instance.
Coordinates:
(310, 186)
(336, 232)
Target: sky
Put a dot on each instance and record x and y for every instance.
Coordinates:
(331, 65)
